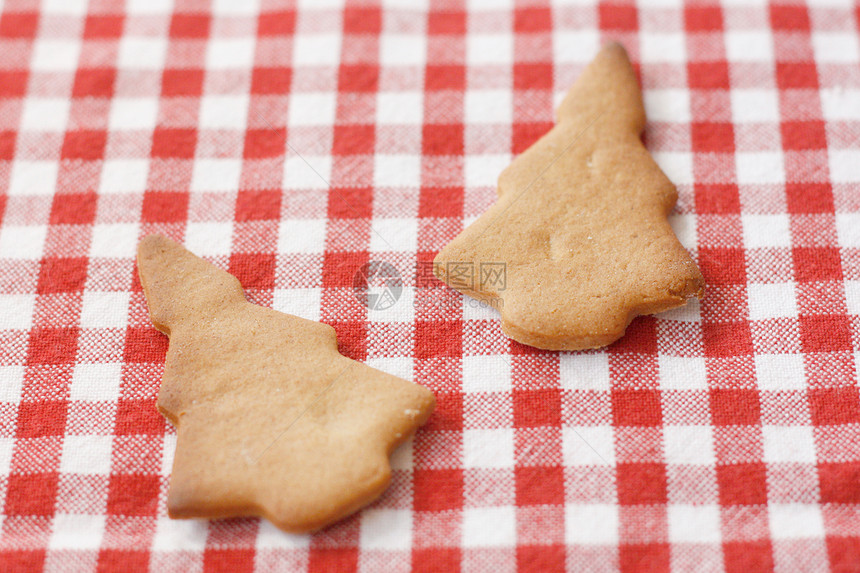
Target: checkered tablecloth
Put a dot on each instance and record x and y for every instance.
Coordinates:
(291, 143)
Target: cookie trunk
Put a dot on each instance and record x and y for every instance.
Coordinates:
(289, 473)
(190, 497)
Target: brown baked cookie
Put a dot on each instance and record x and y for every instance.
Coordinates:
(580, 225)
(271, 419)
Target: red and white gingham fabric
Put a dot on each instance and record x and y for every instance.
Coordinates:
(293, 142)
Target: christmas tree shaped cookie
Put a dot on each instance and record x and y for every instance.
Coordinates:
(579, 226)
(271, 419)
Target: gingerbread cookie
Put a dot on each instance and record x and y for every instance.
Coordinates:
(271, 419)
(580, 224)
